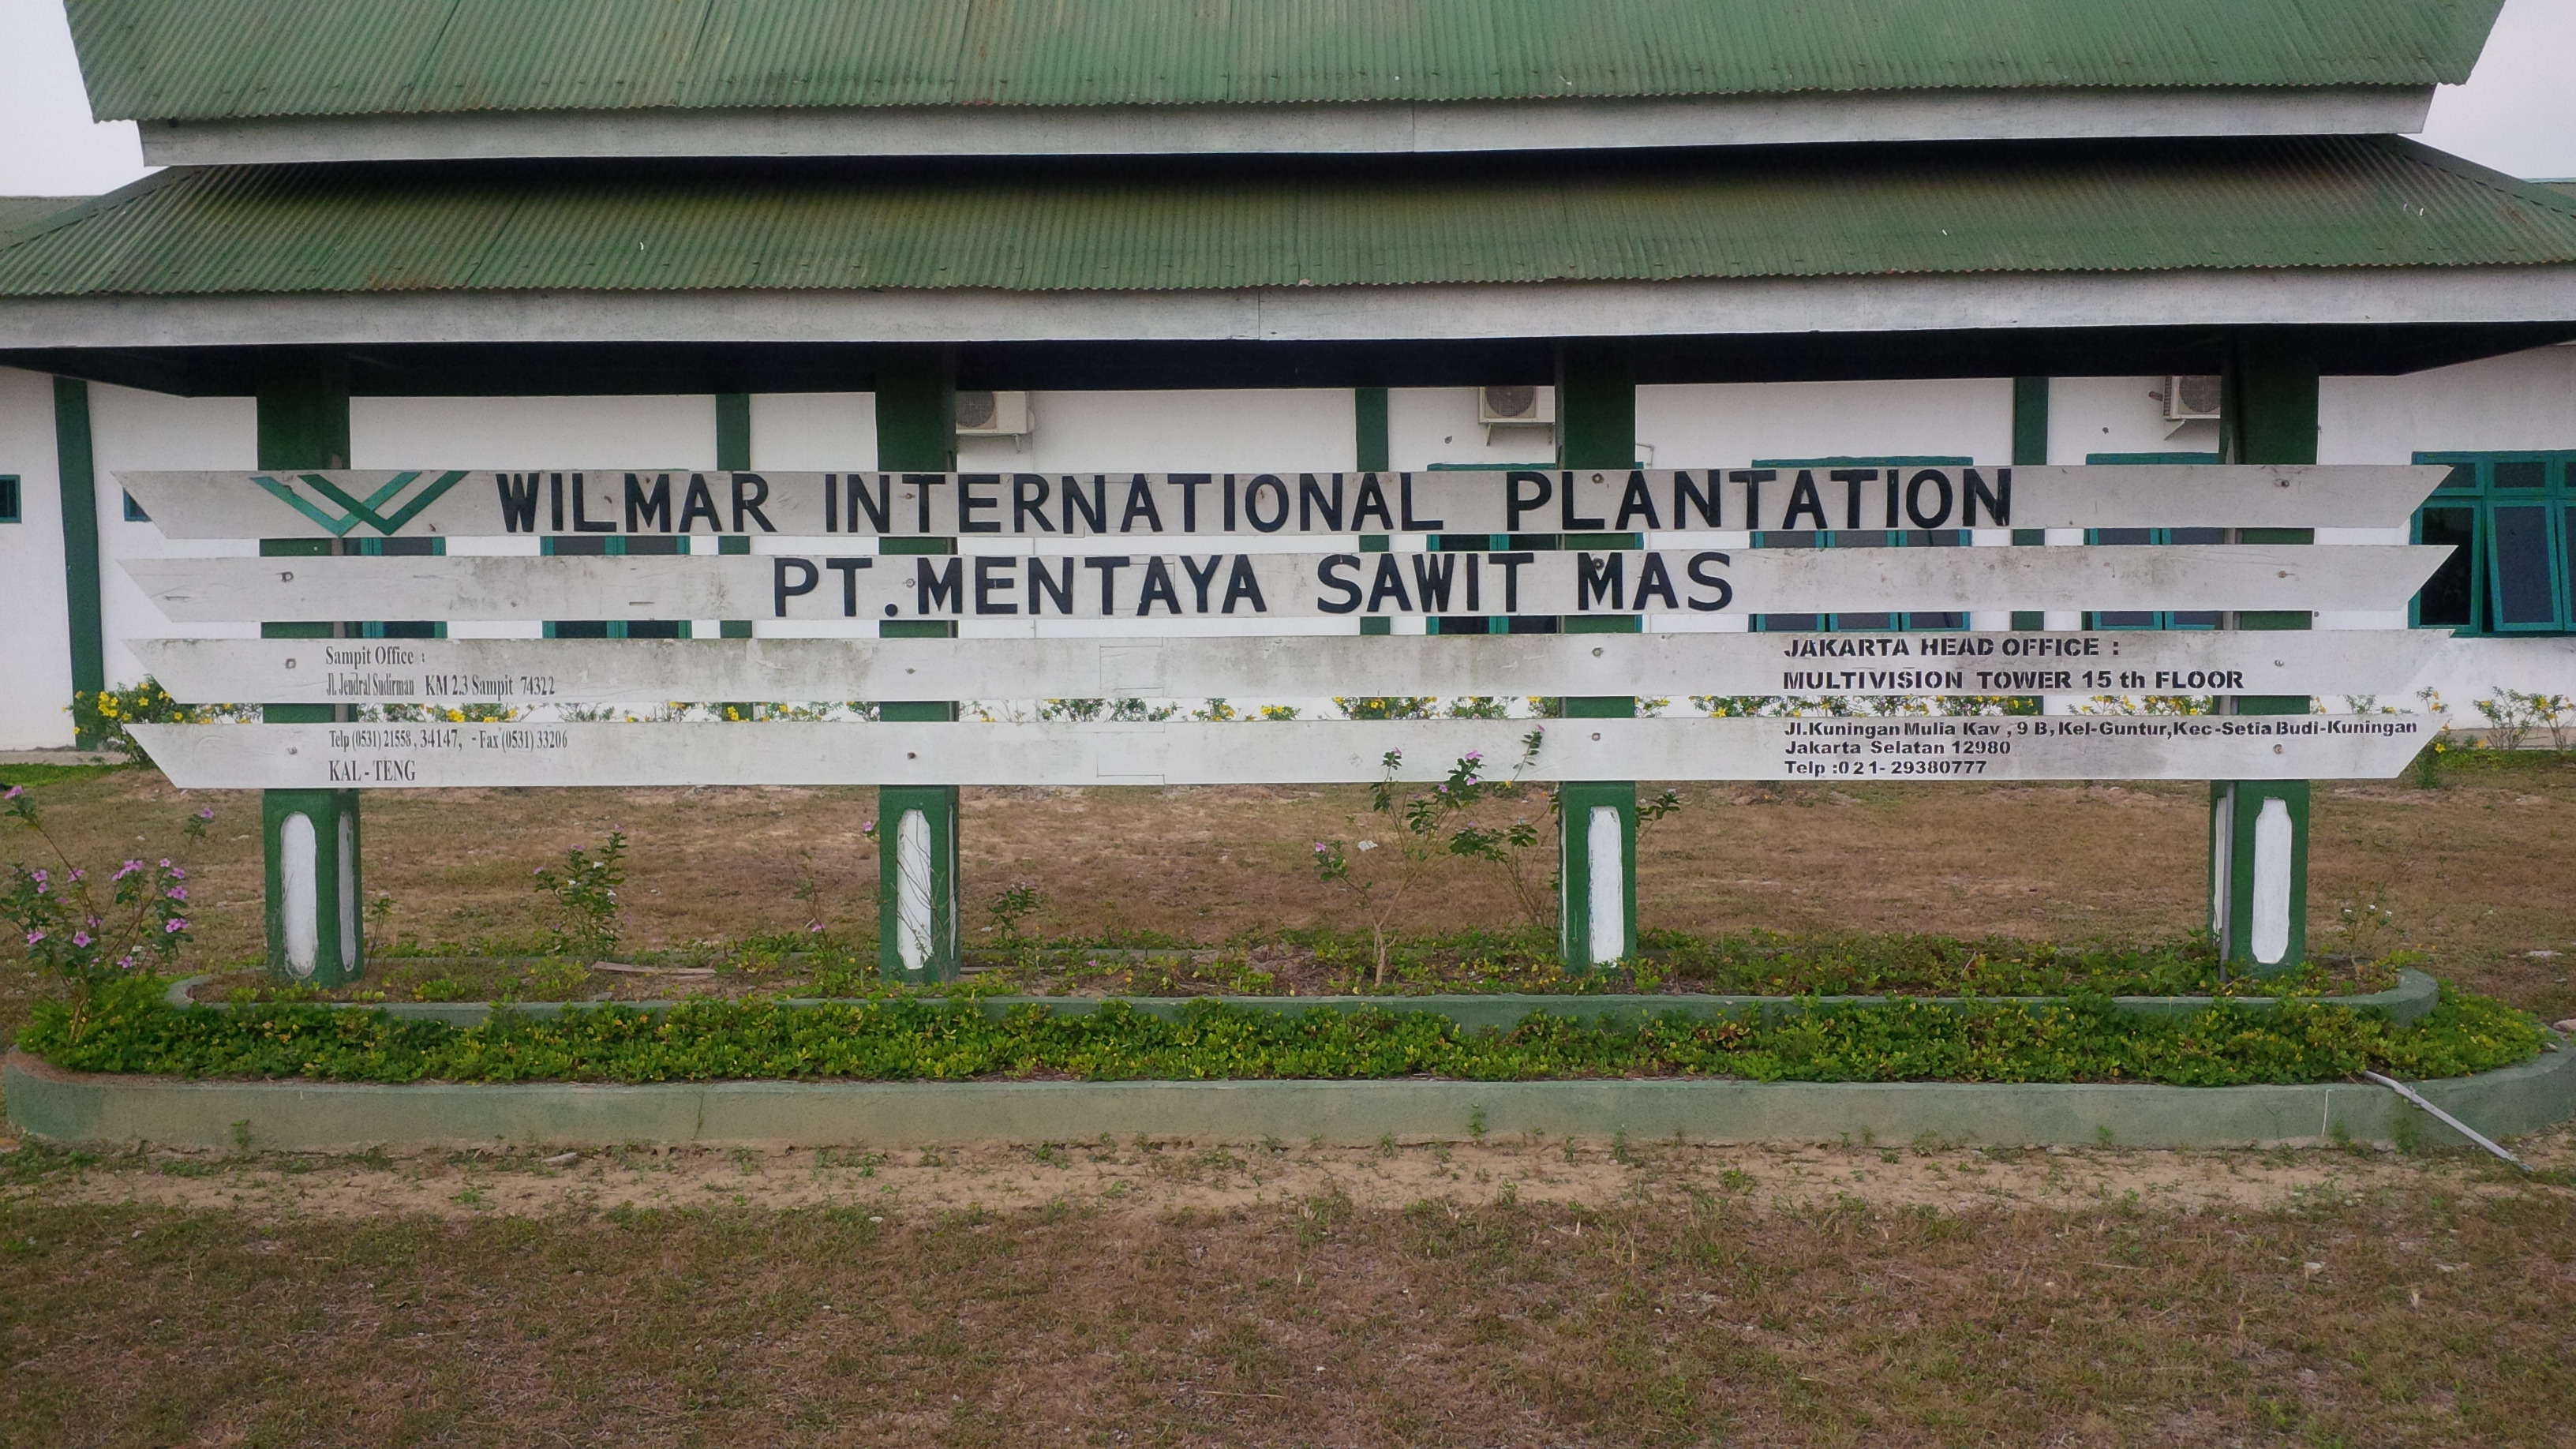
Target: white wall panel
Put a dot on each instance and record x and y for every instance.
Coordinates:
(140, 430)
(2525, 400)
(1692, 425)
(35, 650)
(1427, 425)
(830, 432)
(677, 431)
(2088, 415)
(1183, 430)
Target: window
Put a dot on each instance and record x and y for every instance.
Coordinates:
(1860, 538)
(2512, 517)
(615, 546)
(2157, 618)
(134, 511)
(9, 498)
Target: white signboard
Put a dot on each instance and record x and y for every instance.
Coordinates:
(1144, 588)
(425, 756)
(618, 502)
(449, 672)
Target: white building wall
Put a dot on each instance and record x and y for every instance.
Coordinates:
(815, 432)
(1180, 431)
(2523, 400)
(2090, 415)
(35, 649)
(1695, 425)
(137, 430)
(533, 432)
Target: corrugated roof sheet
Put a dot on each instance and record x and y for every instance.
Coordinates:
(198, 59)
(1843, 211)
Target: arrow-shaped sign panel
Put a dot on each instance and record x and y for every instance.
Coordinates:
(455, 672)
(426, 756)
(1146, 589)
(1134, 507)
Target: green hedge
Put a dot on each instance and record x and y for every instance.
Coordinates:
(910, 1039)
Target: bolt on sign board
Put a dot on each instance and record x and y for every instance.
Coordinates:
(1176, 592)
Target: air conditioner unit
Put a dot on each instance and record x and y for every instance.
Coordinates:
(993, 414)
(2192, 399)
(1515, 407)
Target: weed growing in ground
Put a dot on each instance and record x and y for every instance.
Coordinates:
(587, 894)
(1426, 826)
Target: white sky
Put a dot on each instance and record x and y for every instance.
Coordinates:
(2517, 113)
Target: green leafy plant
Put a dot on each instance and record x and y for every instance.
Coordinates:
(1406, 706)
(104, 715)
(72, 933)
(909, 1038)
(1011, 905)
(1426, 825)
(587, 893)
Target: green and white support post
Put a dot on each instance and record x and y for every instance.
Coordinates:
(76, 466)
(1596, 410)
(2258, 829)
(917, 918)
(309, 838)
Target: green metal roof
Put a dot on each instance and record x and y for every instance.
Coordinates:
(1772, 212)
(200, 59)
(22, 211)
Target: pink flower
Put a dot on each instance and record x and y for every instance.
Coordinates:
(173, 924)
(165, 862)
(206, 814)
(80, 938)
(177, 874)
(178, 893)
(39, 875)
(1475, 754)
(14, 792)
(34, 936)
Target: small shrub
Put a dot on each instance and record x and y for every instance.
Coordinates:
(587, 892)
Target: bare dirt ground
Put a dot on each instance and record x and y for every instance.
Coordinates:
(1190, 1177)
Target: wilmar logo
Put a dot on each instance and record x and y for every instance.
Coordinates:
(342, 510)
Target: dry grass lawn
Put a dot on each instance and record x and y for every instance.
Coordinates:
(1503, 1293)
(2479, 874)
(1541, 1293)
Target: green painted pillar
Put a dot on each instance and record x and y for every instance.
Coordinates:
(2258, 859)
(1596, 410)
(1368, 419)
(75, 464)
(2029, 446)
(733, 455)
(917, 917)
(309, 838)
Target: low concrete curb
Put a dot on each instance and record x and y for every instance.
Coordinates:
(73, 1107)
(2408, 1002)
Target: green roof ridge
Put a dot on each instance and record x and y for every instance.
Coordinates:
(1111, 225)
(209, 59)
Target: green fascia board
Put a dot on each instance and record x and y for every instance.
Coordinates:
(1853, 211)
(212, 59)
